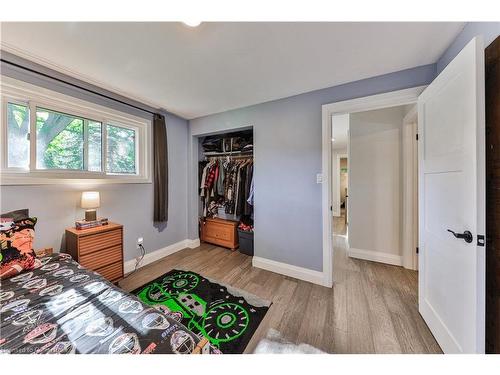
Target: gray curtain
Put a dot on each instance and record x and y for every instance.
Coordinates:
(160, 169)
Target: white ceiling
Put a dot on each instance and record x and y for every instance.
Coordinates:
(220, 66)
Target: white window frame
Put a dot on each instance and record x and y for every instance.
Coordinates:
(19, 92)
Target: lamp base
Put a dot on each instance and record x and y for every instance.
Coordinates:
(90, 215)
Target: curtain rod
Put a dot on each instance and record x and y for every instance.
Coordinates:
(75, 85)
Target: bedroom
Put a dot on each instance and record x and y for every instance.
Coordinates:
(175, 177)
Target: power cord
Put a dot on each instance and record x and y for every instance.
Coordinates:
(139, 260)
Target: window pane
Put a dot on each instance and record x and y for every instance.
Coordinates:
(18, 127)
(95, 146)
(120, 156)
(59, 140)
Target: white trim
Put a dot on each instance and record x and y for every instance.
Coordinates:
(375, 256)
(411, 115)
(149, 258)
(35, 96)
(390, 99)
(305, 274)
(192, 244)
(326, 197)
(71, 73)
(409, 238)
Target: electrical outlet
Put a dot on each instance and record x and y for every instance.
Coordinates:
(140, 240)
(319, 178)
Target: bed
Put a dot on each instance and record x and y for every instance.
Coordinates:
(61, 307)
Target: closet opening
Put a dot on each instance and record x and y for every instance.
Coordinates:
(226, 190)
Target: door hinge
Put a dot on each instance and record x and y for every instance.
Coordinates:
(416, 136)
(480, 240)
(417, 250)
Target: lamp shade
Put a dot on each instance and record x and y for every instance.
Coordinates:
(90, 199)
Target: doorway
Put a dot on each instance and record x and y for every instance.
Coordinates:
(340, 174)
(405, 97)
(344, 181)
(375, 184)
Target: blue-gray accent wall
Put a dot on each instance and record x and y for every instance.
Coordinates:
(488, 30)
(287, 153)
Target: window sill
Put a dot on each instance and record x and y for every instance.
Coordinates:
(13, 179)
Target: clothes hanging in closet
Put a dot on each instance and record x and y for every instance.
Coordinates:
(228, 184)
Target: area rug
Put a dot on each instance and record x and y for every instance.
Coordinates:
(225, 316)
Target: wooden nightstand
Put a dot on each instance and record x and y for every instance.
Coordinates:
(99, 249)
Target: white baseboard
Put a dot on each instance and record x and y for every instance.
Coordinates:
(375, 256)
(129, 265)
(193, 243)
(300, 273)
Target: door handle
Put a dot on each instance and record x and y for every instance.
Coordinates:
(466, 236)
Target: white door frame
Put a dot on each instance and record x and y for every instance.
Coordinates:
(368, 103)
(409, 239)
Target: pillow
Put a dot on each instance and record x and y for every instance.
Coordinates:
(6, 223)
(16, 245)
(7, 219)
(16, 215)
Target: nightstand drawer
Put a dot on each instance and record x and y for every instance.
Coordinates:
(99, 241)
(102, 258)
(112, 272)
(98, 249)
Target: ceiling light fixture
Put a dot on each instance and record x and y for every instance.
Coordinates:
(192, 23)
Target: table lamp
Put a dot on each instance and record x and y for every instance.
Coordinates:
(90, 201)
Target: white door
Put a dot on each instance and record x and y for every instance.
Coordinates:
(451, 197)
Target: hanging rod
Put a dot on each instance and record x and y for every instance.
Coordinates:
(229, 153)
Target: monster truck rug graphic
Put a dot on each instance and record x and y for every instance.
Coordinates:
(208, 309)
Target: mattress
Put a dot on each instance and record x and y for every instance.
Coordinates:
(61, 307)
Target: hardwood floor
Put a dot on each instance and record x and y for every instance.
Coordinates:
(372, 307)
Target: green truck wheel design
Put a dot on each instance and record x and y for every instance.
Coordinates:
(220, 322)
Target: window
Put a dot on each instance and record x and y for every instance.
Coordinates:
(95, 146)
(121, 150)
(51, 136)
(59, 140)
(17, 134)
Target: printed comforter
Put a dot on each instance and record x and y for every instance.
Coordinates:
(61, 307)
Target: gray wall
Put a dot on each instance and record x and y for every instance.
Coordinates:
(57, 206)
(488, 30)
(287, 142)
(375, 180)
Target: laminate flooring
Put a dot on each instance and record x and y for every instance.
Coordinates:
(372, 307)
